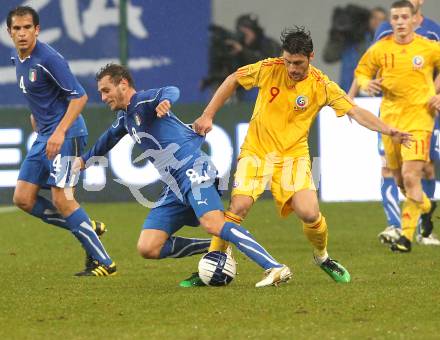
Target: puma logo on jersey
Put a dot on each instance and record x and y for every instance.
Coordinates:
(205, 201)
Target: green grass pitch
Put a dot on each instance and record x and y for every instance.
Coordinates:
(391, 296)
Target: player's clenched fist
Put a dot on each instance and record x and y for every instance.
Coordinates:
(163, 108)
(202, 125)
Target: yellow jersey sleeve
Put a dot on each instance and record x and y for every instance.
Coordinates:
(337, 99)
(255, 75)
(367, 68)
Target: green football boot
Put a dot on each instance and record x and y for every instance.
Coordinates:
(335, 270)
(193, 281)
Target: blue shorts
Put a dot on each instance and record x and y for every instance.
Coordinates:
(37, 169)
(173, 213)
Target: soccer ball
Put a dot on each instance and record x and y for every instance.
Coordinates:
(217, 269)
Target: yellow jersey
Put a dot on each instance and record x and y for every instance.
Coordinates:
(407, 72)
(285, 109)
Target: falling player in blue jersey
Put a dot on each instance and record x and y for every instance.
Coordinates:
(390, 197)
(56, 100)
(190, 196)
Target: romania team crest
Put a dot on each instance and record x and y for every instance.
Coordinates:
(32, 74)
(418, 62)
(301, 102)
(137, 119)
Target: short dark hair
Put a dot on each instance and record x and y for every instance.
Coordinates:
(296, 40)
(116, 73)
(403, 4)
(22, 11)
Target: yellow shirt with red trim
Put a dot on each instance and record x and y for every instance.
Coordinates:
(285, 110)
(407, 72)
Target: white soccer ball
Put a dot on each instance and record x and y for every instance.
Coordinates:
(217, 269)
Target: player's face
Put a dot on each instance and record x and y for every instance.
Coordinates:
(297, 65)
(24, 34)
(402, 21)
(111, 94)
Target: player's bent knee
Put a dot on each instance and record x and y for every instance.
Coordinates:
(240, 207)
(23, 201)
(148, 251)
(212, 222)
(310, 216)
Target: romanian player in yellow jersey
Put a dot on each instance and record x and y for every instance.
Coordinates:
(402, 66)
(291, 93)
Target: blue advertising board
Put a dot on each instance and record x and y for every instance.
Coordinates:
(168, 42)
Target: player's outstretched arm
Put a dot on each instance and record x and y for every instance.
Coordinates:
(106, 141)
(203, 124)
(370, 121)
(54, 143)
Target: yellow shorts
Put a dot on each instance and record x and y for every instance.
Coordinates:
(284, 176)
(396, 154)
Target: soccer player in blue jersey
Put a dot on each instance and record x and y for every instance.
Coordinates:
(390, 196)
(55, 99)
(190, 196)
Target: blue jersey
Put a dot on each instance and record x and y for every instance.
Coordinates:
(172, 146)
(48, 85)
(428, 28)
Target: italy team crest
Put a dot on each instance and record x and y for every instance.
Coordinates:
(32, 74)
(301, 102)
(418, 62)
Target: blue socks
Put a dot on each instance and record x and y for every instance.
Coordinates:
(45, 210)
(245, 242)
(81, 227)
(176, 247)
(390, 201)
(429, 187)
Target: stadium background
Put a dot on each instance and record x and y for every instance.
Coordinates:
(391, 296)
(159, 56)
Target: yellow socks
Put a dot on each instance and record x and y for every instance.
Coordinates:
(317, 234)
(218, 244)
(411, 212)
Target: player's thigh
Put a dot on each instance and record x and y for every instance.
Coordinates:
(419, 149)
(34, 168)
(392, 152)
(306, 206)
(412, 170)
(170, 215)
(25, 194)
(207, 206)
(429, 170)
(61, 174)
(292, 176)
(251, 177)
